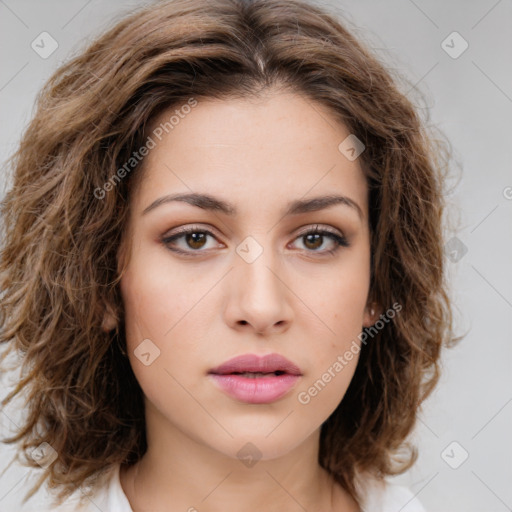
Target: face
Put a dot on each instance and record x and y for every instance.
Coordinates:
(252, 276)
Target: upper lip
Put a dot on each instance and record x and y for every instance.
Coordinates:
(253, 363)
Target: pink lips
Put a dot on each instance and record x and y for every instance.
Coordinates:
(256, 389)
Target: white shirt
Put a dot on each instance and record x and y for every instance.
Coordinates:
(377, 497)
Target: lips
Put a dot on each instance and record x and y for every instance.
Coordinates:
(253, 379)
(252, 365)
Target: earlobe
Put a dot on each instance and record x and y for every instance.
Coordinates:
(109, 322)
(371, 314)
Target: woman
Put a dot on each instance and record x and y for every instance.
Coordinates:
(223, 266)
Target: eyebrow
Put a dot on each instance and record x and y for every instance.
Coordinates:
(296, 207)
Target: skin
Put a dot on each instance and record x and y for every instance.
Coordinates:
(201, 311)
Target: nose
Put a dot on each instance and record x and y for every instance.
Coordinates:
(259, 299)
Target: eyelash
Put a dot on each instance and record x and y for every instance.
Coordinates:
(340, 241)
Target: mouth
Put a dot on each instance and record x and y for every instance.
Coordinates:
(255, 375)
(256, 380)
(252, 365)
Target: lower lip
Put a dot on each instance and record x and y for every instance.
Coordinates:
(259, 390)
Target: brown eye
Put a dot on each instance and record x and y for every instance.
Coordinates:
(314, 239)
(193, 240)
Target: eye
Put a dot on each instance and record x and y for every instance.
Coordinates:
(315, 238)
(195, 240)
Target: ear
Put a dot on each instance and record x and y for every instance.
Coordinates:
(109, 322)
(110, 319)
(123, 254)
(372, 312)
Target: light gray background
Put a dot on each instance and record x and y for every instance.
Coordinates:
(470, 98)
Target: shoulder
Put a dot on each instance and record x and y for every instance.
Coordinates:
(381, 495)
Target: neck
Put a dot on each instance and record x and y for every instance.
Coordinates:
(180, 473)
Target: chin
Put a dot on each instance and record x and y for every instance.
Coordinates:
(263, 444)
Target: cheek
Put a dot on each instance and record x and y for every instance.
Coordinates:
(160, 321)
(326, 386)
(152, 318)
(341, 301)
(154, 301)
(340, 306)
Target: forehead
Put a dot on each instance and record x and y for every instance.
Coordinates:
(273, 148)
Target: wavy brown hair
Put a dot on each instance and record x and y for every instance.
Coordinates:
(59, 269)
